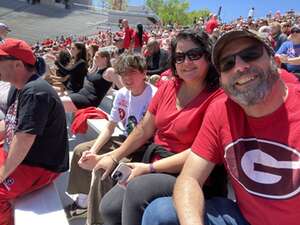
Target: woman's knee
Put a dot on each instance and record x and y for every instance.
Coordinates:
(160, 212)
(111, 203)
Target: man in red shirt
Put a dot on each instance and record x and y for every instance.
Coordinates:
(128, 34)
(254, 132)
(211, 24)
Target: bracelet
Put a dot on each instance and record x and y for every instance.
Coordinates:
(151, 168)
(114, 160)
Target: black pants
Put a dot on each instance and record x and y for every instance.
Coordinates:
(126, 206)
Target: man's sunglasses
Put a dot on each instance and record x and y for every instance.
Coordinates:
(192, 54)
(247, 55)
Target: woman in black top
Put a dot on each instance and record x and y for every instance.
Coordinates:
(95, 86)
(78, 70)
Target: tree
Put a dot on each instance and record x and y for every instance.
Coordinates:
(175, 11)
(155, 4)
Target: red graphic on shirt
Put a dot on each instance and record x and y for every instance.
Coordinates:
(10, 123)
(264, 168)
(121, 113)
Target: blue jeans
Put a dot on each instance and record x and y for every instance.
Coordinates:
(218, 211)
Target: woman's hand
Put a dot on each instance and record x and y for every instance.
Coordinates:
(138, 169)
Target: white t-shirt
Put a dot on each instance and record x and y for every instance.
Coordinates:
(129, 109)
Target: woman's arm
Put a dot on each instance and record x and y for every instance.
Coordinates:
(111, 76)
(73, 69)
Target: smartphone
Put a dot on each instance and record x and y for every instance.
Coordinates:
(121, 173)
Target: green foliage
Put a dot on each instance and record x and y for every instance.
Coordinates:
(175, 11)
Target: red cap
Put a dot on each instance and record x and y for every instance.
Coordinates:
(18, 49)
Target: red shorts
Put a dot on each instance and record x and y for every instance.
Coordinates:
(23, 180)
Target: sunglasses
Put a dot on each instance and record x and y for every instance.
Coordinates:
(247, 55)
(192, 54)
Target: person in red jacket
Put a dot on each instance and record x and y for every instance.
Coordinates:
(211, 24)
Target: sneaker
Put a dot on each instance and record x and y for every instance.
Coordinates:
(74, 211)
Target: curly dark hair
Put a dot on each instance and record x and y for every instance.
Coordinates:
(201, 39)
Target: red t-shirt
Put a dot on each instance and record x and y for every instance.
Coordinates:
(137, 41)
(261, 155)
(128, 34)
(176, 129)
(288, 77)
(211, 25)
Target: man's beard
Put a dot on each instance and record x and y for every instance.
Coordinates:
(254, 93)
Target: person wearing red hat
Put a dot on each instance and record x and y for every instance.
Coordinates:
(34, 130)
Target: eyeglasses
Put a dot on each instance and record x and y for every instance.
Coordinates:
(247, 55)
(192, 54)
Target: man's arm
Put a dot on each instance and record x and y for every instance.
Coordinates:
(293, 61)
(188, 196)
(18, 150)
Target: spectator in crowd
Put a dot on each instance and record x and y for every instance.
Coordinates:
(4, 29)
(129, 107)
(211, 24)
(286, 28)
(78, 70)
(157, 59)
(35, 136)
(54, 74)
(289, 52)
(140, 38)
(251, 13)
(119, 43)
(277, 35)
(127, 34)
(95, 86)
(91, 52)
(174, 118)
(252, 132)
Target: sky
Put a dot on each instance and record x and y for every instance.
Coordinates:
(232, 9)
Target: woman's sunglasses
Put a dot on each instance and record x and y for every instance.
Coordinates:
(247, 55)
(192, 54)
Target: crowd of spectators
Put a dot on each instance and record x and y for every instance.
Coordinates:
(179, 61)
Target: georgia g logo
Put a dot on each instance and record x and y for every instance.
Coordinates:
(264, 168)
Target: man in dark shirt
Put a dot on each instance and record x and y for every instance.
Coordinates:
(35, 136)
(157, 59)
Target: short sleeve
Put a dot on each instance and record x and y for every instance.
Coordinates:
(283, 49)
(157, 99)
(33, 112)
(207, 143)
